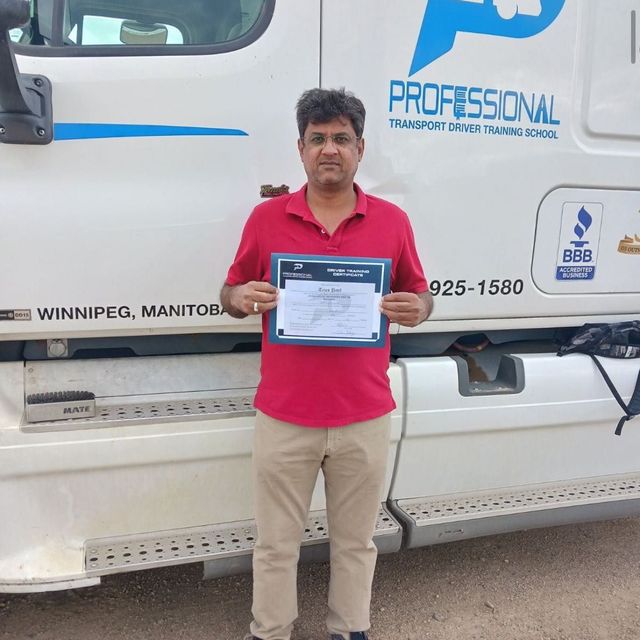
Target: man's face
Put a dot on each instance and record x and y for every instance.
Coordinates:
(331, 152)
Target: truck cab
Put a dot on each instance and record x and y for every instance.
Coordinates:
(135, 139)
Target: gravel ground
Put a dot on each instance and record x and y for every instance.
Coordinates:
(580, 582)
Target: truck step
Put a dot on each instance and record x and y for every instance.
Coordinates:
(460, 516)
(119, 554)
(116, 414)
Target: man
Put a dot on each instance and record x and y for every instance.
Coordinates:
(322, 407)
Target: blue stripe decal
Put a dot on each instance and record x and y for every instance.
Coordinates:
(86, 131)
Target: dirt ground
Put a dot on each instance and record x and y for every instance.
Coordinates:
(580, 582)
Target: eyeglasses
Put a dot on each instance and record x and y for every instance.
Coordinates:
(318, 140)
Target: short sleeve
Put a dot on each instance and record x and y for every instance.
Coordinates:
(246, 264)
(409, 275)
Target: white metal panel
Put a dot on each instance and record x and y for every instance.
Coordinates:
(473, 192)
(11, 394)
(612, 87)
(106, 377)
(128, 222)
(560, 427)
(588, 241)
(68, 486)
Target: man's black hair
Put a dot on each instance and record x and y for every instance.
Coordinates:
(323, 105)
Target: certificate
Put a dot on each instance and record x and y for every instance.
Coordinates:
(329, 301)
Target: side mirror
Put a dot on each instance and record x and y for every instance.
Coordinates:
(26, 115)
(14, 13)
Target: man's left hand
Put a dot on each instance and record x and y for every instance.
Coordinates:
(407, 309)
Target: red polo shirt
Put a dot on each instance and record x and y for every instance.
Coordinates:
(325, 386)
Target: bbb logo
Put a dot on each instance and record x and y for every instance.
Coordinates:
(579, 240)
(579, 252)
(443, 19)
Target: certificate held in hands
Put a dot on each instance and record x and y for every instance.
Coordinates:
(329, 302)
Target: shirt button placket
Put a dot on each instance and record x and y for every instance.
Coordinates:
(334, 241)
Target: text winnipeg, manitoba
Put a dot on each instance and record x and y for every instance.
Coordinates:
(115, 312)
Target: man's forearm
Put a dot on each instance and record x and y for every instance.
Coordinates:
(407, 308)
(251, 298)
(225, 299)
(427, 298)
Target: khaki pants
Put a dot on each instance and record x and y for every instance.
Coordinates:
(286, 461)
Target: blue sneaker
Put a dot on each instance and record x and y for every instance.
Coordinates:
(354, 635)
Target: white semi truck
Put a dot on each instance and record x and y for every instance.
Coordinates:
(137, 135)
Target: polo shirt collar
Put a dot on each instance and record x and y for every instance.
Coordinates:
(298, 206)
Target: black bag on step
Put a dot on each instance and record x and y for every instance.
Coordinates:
(621, 340)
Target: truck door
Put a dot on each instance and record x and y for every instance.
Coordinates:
(168, 118)
(494, 123)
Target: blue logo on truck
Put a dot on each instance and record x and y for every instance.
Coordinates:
(579, 239)
(443, 19)
(585, 221)
(96, 130)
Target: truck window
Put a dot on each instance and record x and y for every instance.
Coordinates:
(157, 27)
(96, 30)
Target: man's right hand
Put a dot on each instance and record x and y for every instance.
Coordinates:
(252, 298)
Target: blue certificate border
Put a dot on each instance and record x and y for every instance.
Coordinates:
(382, 281)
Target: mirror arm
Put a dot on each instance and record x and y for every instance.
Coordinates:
(26, 115)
